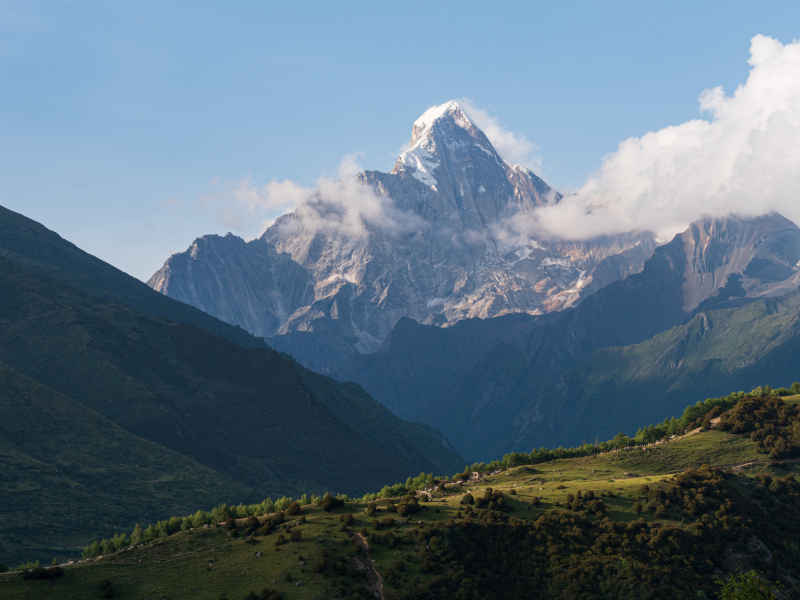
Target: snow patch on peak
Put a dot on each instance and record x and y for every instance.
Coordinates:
(451, 108)
(420, 162)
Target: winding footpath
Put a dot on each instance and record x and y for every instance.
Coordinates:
(375, 579)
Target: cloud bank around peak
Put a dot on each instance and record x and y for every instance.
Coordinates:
(743, 159)
(343, 204)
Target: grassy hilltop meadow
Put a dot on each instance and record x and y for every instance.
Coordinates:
(701, 506)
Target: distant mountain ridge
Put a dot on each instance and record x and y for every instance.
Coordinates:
(437, 242)
(517, 381)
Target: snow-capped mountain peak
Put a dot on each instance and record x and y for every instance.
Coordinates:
(449, 110)
(441, 133)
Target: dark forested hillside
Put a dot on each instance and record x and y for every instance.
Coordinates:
(44, 252)
(250, 420)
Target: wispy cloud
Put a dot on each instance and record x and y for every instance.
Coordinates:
(513, 147)
(344, 203)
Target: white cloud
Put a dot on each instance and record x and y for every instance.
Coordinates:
(247, 208)
(343, 203)
(514, 148)
(346, 204)
(743, 159)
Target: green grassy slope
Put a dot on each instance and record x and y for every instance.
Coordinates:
(646, 522)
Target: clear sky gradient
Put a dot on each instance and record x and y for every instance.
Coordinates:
(123, 124)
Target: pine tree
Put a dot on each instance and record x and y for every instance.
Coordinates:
(137, 534)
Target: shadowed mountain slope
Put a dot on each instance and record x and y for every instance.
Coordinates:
(244, 415)
(69, 473)
(512, 382)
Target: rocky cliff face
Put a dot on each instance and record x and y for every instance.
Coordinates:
(247, 284)
(436, 239)
(740, 257)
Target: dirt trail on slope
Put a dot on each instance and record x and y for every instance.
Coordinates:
(375, 579)
(765, 461)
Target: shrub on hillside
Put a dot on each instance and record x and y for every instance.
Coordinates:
(251, 524)
(330, 502)
(771, 422)
(270, 524)
(747, 586)
(409, 506)
(493, 500)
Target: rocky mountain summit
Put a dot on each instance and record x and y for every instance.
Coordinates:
(443, 237)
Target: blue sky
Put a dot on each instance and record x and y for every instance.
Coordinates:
(123, 125)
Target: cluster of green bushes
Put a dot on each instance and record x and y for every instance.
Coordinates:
(223, 513)
(747, 586)
(408, 506)
(774, 424)
(587, 502)
(330, 502)
(576, 554)
(412, 484)
(693, 494)
(492, 500)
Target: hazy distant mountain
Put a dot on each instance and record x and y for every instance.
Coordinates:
(436, 239)
(115, 395)
(517, 381)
